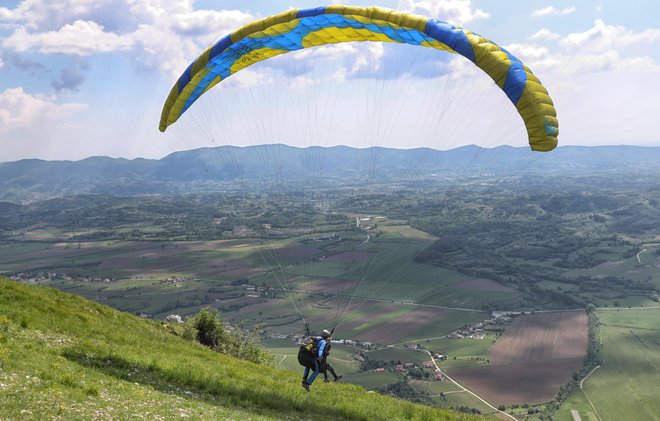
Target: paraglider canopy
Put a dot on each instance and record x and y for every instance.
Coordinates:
(303, 28)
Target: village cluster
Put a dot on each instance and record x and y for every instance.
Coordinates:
(52, 276)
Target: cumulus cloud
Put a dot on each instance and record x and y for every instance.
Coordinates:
(115, 15)
(7, 15)
(604, 37)
(369, 60)
(156, 34)
(551, 10)
(538, 57)
(454, 11)
(79, 38)
(534, 56)
(247, 78)
(602, 48)
(19, 109)
(207, 22)
(301, 82)
(544, 34)
(608, 61)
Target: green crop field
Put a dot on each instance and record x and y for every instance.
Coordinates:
(627, 386)
(396, 353)
(464, 347)
(370, 380)
(446, 394)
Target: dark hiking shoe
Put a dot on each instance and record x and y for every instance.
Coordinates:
(306, 386)
(326, 380)
(338, 377)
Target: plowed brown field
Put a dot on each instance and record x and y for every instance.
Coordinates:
(535, 355)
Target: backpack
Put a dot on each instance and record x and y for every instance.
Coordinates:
(307, 353)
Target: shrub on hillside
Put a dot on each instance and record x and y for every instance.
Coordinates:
(206, 327)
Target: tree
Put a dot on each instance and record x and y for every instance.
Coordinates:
(210, 331)
(207, 328)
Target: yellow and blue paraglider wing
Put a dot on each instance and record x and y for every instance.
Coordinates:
(298, 29)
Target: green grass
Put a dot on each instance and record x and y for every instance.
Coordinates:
(628, 384)
(65, 357)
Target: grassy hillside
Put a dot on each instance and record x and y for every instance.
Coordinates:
(62, 356)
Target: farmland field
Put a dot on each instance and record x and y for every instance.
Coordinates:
(627, 385)
(370, 380)
(366, 320)
(397, 353)
(535, 355)
(370, 290)
(542, 337)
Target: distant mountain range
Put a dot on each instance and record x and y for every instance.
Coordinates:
(226, 167)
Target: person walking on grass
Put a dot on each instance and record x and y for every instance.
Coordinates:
(314, 363)
(325, 365)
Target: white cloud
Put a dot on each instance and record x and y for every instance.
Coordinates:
(45, 15)
(461, 68)
(301, 82)
(247, 78)
(608, 61)
(551, 10)
(19, 109)
(453, 11)
(79, 38)
(369, 61)
(602, 48)
(603, 37)
(534, 56)
(154, 33)
(339, 75)
(208, 22)
(538, 57)
(7, 15)
(544, 34)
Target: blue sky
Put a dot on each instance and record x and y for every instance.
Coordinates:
(88, 77)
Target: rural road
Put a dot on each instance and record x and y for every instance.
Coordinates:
(419, 340)
(586, 396)
(587, 376)
(638, 259)
(468, 390)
